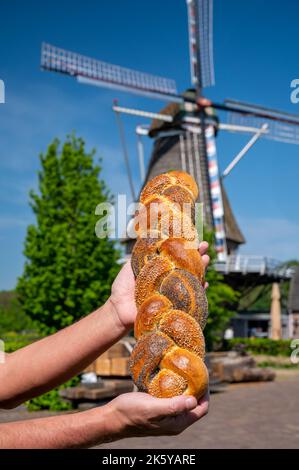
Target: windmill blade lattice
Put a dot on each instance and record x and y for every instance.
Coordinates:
(282, 127)
(200, 22)
(104, 74)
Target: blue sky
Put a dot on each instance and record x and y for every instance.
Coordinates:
(256, 57)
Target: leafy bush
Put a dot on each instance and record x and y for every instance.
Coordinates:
(11, 346)
(261, 346)
(222, 300)
(49, 400)
(52, 400)
(277, 365)
(12, 318)
(14, 341)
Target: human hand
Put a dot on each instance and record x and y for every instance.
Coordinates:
(140, 414)
(122, 291)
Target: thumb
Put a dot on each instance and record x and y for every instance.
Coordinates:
(163, 407)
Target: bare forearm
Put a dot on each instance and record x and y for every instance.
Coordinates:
(74, 430)
(51, 361)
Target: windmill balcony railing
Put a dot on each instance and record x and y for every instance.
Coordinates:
(260, 265)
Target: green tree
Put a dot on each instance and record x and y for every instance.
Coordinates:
(222, 299)
(68, 270)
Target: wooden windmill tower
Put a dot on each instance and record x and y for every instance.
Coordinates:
(184, 132)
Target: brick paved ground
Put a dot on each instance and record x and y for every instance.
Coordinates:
(245, 416)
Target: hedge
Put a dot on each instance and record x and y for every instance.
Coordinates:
(50, 400)
(14, 341)
(281, 347)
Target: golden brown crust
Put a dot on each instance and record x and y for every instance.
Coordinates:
(161, 215)
(150, 313)
(185, 293)
(190, 367)
(182, 198)
(167, 384)
(172, 306)
(146, 357)
(177, 250)
(188, 259)
(183, 330)
(187, 181)
(144, 250)
(150, 277)
(160, 183)
(155, 187)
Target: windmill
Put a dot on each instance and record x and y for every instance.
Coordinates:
(184, 132)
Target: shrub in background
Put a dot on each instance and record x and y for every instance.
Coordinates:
(222, 300)
(12, 318)
(51, 400)
(267, 346)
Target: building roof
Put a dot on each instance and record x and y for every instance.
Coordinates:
(172, 109)
(293, 300)
(232, 229)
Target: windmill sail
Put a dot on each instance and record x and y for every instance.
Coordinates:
(281, 126)
(200, 23)
(96, 72)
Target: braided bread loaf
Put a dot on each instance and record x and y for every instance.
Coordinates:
(168, 358)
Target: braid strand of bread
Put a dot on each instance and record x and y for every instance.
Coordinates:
(168, 358)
